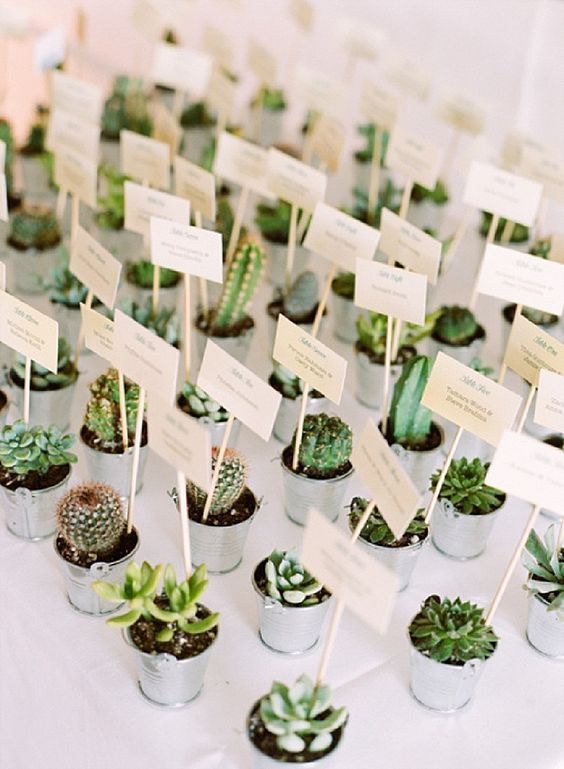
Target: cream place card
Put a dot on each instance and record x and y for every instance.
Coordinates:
(28, 331)
(261, 63)
(365, 585)
(544, 167)
(3, 199)
(390, 291)
(145, 159)
(145, 358)
(95, 267)
(241, 162)
(339, 237)
(549, 405)
(301, 12)
(328, 141)
(516, 277)
(378, 105)
(142, 202)
(78, 175)
(500, 192)
(318, 91)
(182, 69)
(309, 359)
(408, 74)
(407, 244)
(461, 112)
(76, 97)
(180, 440)
(469, 399)
(166, 128)
(529, 469)
(239, 390)
(196, 185)
(360, 39)
(530, 349)
(293, 181)
(556, 253)
(416, 159)
(218, 45)
(221, 93)
(98, 333)
(65, 130)
(381, 471)
(187, 249)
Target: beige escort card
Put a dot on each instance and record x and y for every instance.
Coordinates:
(500, 192)
(221, 93)
(413, 157)
(328, 141)
(549, 405)
(530, 349)
(180, 440)
(145, 159)
(76, 97)
(65, 130)
(95, 267)
(28, 331)
(517, 277)
(182, 69)
(391, 291)
(3, 199)
(241, 162)
(218, 45)
(365, 585)
(544, 167)
(556, 253)
(293, 181)
(78, 175)
(461, 112)
(381, 471)
(145, 358)
(318, 91)
(309, 359)
(142, 202)
(407, 244)
(98, 333)
(301, 12)
(261, 63)
(166, 128)
(187, 249)
(378, 105)
(360, 39)
(469, 399)
(339, 237)
(239, 390)
(529, 469)
(408, 74)
(196, 185)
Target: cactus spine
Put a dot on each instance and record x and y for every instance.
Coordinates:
(326, 446)
(240, 284)
(230, 484)
(91, 518)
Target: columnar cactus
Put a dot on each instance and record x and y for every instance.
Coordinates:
(455, 325)
(91, 518)
(34, 227)
(42, 378)
(230, 484)
(240, 285)
(303, 296)
(102, 415)
(326, 446)
(410, 422)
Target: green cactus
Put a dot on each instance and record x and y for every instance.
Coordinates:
(34, 227)
(541, 248)
(271, 99)
(288, 582)
(240, 284)
(274, 221)
(140, 273)
(42, 378)
(376, 530)
(303, 296)
(102, 416)
(35, 142)
(165, 324)
(465, 488)
(456, 326)
(199, 404)
(37, 449)
(326, 446)
(343, 285)
(286, 382)
(91, 518)
(231, 483)
(368, 130)
(126, 107)
(111, 205)
(409, 422)
(438, 195)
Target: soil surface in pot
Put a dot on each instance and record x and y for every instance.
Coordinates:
(3, 399)
(276, 307)
(404, 354)
(130, 278)
(287, 456)
(275, 384)
(548, 319)
(555, 440)
(18, 382)
(225, 333)
(406, 540)
(92, 440)
(184, 406)
(34, 481)
(480, 333)
(241, 511)
(432, 441)
(124, 547)
(260, 579)
(182, 645)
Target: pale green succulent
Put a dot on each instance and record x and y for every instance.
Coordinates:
(288, 582)
(36, 449)
(200, 404)
(545, 564)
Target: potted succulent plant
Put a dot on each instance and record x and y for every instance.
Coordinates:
(466, 509)
(291, 388)
(295, 725)
(299, 304)
(556, 440)
(101, 434)
(51, 395)
(126, 107)
(398, 555)
(363, 157)
(274, 226)
(323, 471)
(92, 542)
(138, 286)
(519, 234)
(171, 632)
(458, 333)
(165, 323)
(411, 430)
(35, 180)
(544, 562)
(450, 642)
(34, 232)
(272, 104)
(66, 293)
(345, 312)
(109, 218)
(388, 197)
(291, 603)
(35, 467)
(426, 206)
(194, 401)
(197, 123)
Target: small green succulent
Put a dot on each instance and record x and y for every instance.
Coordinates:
(274, 221)
(141, 273)
(271, 99)
(376, 530)
(288, 582)
(286, 382)
(111, 205)
(165, 323)
(372, 326)
(35, 142)
(64, 287)
(368, 131)
(36, 449)
(42, 378)
(438, 195)
(102, 415)
(388, 197)
(199, 404)
(126, 107)
(325, 447)
(343, 285)
(34, 227)
(456, 326)
(545, 564)
(465, 488)
(410, 423)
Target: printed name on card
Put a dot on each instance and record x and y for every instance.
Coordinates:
(182, 69)
(319, 92)
(469, 399)
(340, 237)
(381, 471)
(521, 278)
(180, 440)
(407, 244)
(365, 586)
(141, 203)
(462, 112)
(390, 291)
(530, 349)
(549, 405)
(414, 157)
(241, 162)
(76, 97)
(500, 192)
(28, 331)
(145, 159)
(196, 185)
(239, 390)
(293, 181)
(408, 75)
(65, 130)
(544, 167)
(309, 359)
(98, 333)
(94, 266)
(378, 105)
(360, 39)
(187, 249)
(529, 469)
(77, 174)
(328, 141)
(145, 358)
(261, 63)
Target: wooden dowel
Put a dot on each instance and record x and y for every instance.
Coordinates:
(489, 239)
(374, 183)
(80, 340)
(61, 204)
(123, 412)
(526, 407)
(187, 327)
(291, 246)
(184, 525)
(507, 232)
(405, 198)
(27, 388)
(217, 467)
(387, 368)
(323, 301)
(236, 230)
(443, 474)
(300, 428)
(135, 460)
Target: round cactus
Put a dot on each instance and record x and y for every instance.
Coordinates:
(455, 325)
(34, 227)
(303, 296)
(326, 446)
(91, 518)
(230, 484)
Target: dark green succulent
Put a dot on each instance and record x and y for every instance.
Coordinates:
(325, 447)
(388, 197)
(545, 564)
(141, 273)
(343, 285)
(541, 248)
(368, 131)
(376, 530)
(371, 328)
(35, 142)
(519, 235)
(438, 195)
(274, 221)
(41, 377)
(196, 115)
(456, 326)
(64, 287)
(102, 415)
(111, 206)
(37, 449)
(465, 488)
(34, 227)
(271, 99)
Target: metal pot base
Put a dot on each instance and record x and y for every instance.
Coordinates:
(298, 653)
(84, 613)
(173, 706)
(223, 571)
(30, 539)
(446, 711)
(555, 657)
(457, 557)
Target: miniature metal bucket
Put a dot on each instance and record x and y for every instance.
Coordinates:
(237, 346)
(399, 560)
(345, 313)
(115, 469)
(30, 514)
(459, 535)
(31, 269)
(289, 412)
(370, 380)
(545, 632)
(420, 465)
(463, 353)
(217, 431)
(271, 126)
(46, 407)
(302, 493)
(276, 262)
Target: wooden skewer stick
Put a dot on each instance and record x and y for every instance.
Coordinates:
(374, 183)
(443, 474)
(526, 407)
(135, 462)
(123, 412)
(184, 526)
(387, 367)
(503, 369)
(405, 198)
(300, 428)
(507, 231)
(75, 219)
(323, 301)
(80, 340)
(204, 302)
(236, 230)
(291, 246)
(61, 203)
(187, 326)
(217, 467)
(27, 389)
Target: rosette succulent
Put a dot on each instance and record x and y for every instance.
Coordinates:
(165, 323)
(141, 273)
(64, 287)
(545, 564)
(37, 449)
(376, 530)
(199, 404)
(288, 582)
(34, 227)
(43, 379)
(465, 488)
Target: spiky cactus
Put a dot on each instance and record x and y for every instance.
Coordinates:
(34, 227)
(240, 285)
(326, 446)
(230, 484)
(410, 422)
(102, 415)
(91, 518)
(41, 377)
(303, 296)
(455, 326)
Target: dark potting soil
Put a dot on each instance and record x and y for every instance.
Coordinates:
(241, 511)
(34, 481)
(406, 541)
(19, 382)
(124, 547)
(275, 384)
(287, 456)
(182, 645)
(260, 579)
(276, 307)
(404, 354)
(92, 440)
(555, 440)
(432, 441)
(266, 742)
(51, 243)
(3, 399)
(237, 330)
(480, 333)
(508, 313)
